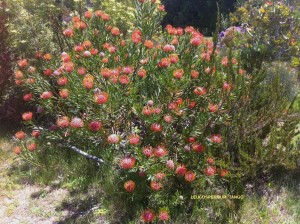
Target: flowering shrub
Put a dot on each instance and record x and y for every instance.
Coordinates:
(273, 29)
(160, 110)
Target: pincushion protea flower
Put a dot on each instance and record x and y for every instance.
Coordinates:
(210, 171)
(27, 116)
(76, 122)
(95, 126)
(210, 161)
(147, 216)
(178, 73)
(170, 164)
(200, 91)
(216, 138)
(101, 98)
(31, 146)
(20, 135)
(155, 185)
(113, 139)
(63, 122)
(163, 215)
(46, 95)
(64, 93)
(127, 162)
(147, 151)
(180, 170)
(197, 147)
(27, 97)
(134, 139)
(129, 186)
(223, 172)
(213, 108)
(190, 176)
(17, 150)
(23, 63)
(36, 133)
(160, 151)
(160, 175)
(155, 127)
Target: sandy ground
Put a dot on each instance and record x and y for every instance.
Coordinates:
(28, 203)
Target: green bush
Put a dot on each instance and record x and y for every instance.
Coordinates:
(166, 116)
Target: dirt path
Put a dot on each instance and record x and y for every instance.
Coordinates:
(24, 202)
(27, 203)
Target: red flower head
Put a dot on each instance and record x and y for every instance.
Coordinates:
(46, 95)
(225, 61)
(113, 139)
(27, 116)
(169, 48)
(129, 186)
(47, 57)
(210, 161)
(197, 147)
(210, 171)
(31, 146)
(64, 93)
(17, 150)
(180, 170)
(88, 14)
(147, 151)
(194, 74)
(163, 215)
(36, 133)
(19, 75)
(62, 81)
(174, 58)
(216, 138)
(164, 63)
(168, 118)
(88, 81)
(160, 151)
(226, 86)
(77, 122)
(124, 79)
(200, 91)
(142, 73)
(27, 97)
(223, 172)
(127, 162)
(48, 72)
(101, 98)
(160, 176)
(190, 176)
(134, 139)
(22, 63)
(148, 215)
(196, 39)
(178, 73)
(149, 44)
(155, 127)
(63, 122)
(115, 31)
(136, 36)
(170, 164)
(213, 107)
(20, 135)
(147, 111)
(161, 8)
(105, 72)
(156, 186)
(95, 126)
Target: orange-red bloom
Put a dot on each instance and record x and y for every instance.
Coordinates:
(129, 186)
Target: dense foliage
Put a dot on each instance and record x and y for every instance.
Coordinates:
(165, 115)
